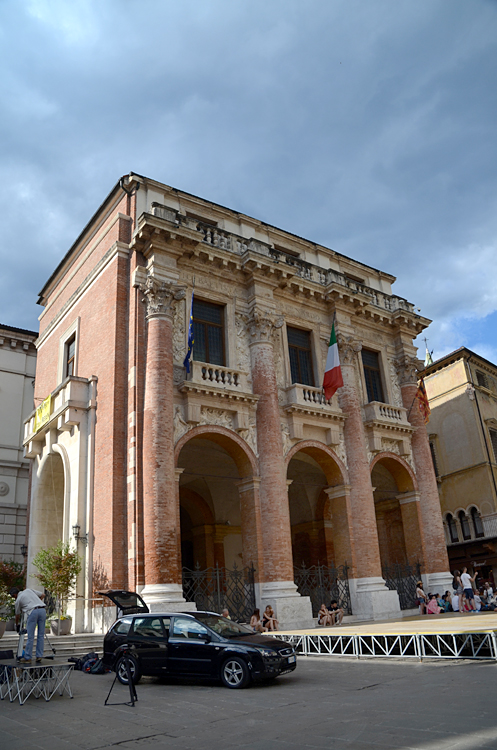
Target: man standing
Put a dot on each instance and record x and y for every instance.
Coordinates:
(467, 584)
(30, 604)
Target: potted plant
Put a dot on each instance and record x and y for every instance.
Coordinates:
(7, 605)
(58, 569)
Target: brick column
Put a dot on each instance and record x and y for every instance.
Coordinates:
(370, 597)
(161, 524)
(250, 512)
(278, 587)
(436, 563)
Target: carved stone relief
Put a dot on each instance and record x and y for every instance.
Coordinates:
(181, 426)
(179, 373)
(242, 346)
(340, 450)
(250, 435)
(279, 368)
(396, 392)
(287, 440)
(407, 369)
(179, 347)
(260, 325)
(208, 415)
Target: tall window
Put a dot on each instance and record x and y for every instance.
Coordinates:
(208, 331)
(70, 354)
(493, 440)
(299, 349)
(434, 458)
(477, 523)
(451, 523)
(371, 364)
(466, 531)
(481, 379)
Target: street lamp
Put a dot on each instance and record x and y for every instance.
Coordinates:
(24, 550)
(77, 538)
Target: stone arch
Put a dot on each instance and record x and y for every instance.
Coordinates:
(218, 498)
(238, 449)
(398, 519)
(398, 467)
(313, 468)
(332, 466)
(49, 504)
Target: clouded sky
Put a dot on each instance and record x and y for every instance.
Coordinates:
(369, 127)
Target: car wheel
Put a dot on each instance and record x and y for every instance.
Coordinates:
(234, 673)
(121, 671)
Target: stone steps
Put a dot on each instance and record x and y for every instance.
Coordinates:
(64, 645)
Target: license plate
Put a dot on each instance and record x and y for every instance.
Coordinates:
(292, 659)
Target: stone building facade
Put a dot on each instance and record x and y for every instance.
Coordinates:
(242, 461)
(462, 388)
(17, 376)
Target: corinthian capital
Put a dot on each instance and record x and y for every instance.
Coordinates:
(348, 348)
(261, 325)
(160, 295)
(407, 369)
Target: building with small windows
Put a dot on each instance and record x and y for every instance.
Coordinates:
(462, 389)
(240, 464)
(17, 377)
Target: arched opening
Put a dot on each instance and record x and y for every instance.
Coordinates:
(212, 528)
(311, 472)
(452, 528)
(477, 523)
(220, 521)
(397, 512)
(465, 527)
(47, 508)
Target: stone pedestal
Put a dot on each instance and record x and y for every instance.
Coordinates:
(372, 600)
(166, 597)
(292, 610)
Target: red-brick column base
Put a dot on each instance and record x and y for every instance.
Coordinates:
(161, 523)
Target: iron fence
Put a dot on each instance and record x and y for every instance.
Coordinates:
(217, 588)
(323, 584)
(403, 579)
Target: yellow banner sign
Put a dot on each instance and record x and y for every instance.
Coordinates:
(42, 414)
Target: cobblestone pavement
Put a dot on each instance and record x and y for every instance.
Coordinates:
(325, 703)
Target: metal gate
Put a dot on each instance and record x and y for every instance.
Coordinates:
(216, 588)
(323, 584)
(403, 579)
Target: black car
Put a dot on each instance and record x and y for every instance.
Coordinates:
(192, 644)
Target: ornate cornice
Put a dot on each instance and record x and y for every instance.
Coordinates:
(160, 295)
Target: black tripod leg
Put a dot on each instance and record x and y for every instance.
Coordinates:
(132, 690)
(111, 688)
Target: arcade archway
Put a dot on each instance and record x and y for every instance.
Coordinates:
(47, 506)
(397, 511)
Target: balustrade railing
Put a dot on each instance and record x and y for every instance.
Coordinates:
(307, 396)
(379, 411)
(213, 235)
(224, 377)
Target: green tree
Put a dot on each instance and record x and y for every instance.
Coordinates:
(58, 567)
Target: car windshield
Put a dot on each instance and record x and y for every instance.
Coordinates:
(223, 626)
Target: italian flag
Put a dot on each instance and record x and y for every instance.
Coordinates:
(332, 373)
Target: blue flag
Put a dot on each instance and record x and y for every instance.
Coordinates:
(186, 363)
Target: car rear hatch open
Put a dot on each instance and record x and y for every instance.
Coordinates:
(127, 602)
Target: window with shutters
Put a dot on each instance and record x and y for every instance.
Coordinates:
(300, 353)
(208, 331)
(372, 375)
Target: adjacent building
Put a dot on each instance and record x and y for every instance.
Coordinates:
(17, 377)
(462, 388)
(240, 462)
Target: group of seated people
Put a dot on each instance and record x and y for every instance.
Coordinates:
(329, 616)
(269, 621)
(483, 600)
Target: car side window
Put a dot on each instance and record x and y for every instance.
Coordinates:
(166, 622)
(148, 627)
(185, 628)
(123, 626)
